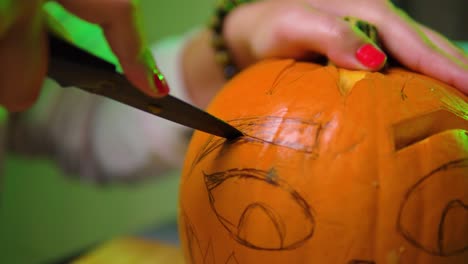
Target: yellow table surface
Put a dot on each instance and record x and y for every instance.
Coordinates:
(130, 250)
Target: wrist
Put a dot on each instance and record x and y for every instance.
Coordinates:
(223, 42)
(202, 75)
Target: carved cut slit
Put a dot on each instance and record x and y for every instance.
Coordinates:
(412, 131)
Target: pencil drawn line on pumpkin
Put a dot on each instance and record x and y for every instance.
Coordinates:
(280, 226)
(258, 130)
(232, 259)
(193, 243)
(402, 91)
(246, 218)
(359, 261)
(275, 87)
(266, 130)
(452, 205)
(282, 74)
(351, 147)
(438, 248)
(192, 239)
(403, 94)
(272, 175)
(208, 257)
(196, 253)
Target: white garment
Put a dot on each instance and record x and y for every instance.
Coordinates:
(128, 140)
(97, 138)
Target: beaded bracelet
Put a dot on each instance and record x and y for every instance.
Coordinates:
(222, 54)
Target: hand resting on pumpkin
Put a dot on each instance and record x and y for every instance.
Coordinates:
(23, 49)
(303, 29)
(97, 143)
(299, 29)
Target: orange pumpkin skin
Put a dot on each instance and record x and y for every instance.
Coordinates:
(336, 167)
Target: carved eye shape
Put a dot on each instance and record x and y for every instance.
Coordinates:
(417, 129)
(259, 222)
(443, 228)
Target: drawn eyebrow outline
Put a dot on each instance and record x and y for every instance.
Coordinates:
(251, 125)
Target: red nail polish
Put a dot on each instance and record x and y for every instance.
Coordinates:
(160, 83)
(370, 56)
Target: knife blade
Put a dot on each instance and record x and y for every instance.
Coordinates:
(71, 66)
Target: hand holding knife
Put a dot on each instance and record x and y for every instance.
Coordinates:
(72, 66)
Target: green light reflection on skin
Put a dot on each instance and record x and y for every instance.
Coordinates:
(5, 5)
(3, 116)
(83, 34)
(464, 140)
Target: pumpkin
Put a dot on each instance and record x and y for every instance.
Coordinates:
(336, 166)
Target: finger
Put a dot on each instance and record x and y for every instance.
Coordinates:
(55, 27)
(24, 59)
(342, 42)
(298, 31)
(120, 23)
(444, 44)
(411, 47)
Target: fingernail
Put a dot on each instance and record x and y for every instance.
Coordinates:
(370, 56)
(160, 82)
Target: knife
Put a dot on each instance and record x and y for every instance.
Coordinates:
(71, 66)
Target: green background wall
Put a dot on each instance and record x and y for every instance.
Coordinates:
(44, 214)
